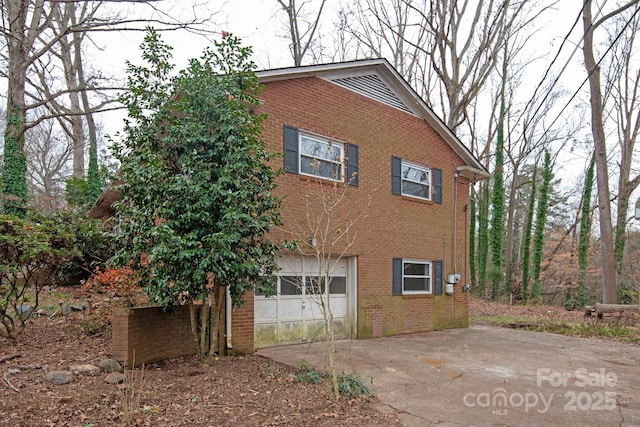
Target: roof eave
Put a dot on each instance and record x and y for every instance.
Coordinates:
(473, 174)
(414, 102)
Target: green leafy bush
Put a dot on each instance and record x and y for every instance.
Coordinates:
(98, 322)
(32, 252)
(95, 245)
(352, 385)
(309, 374)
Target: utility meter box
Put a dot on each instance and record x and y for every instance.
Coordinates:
(449, 289)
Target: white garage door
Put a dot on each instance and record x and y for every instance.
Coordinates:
(295, 313)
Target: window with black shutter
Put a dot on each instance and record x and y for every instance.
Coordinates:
(322, 157)
(415, 180)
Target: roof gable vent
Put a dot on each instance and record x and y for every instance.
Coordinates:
(372, 86)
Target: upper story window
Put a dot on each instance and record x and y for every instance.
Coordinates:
(416, 180)
(321, 157)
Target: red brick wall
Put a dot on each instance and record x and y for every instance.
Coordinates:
(395, 226)
(144, 334)
(242, 336)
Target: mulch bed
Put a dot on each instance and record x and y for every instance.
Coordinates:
(232, 391)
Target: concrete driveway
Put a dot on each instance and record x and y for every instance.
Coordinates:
(484, 376)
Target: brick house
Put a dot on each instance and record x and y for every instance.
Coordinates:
(407, 271)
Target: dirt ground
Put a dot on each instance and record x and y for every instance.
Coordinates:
(239, 391)
(479, 308)
(244, 390)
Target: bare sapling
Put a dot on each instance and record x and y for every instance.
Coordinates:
(326, 234)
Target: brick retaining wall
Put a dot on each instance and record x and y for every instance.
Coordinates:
(144, 334)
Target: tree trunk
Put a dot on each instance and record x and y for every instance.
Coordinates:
(483, 238)
(509, 231)
(19, 42)
(541, 222)
(205, 322)
(616, 308)
(625, 188)
(526, 239)
(216, 334)
(93, 173)
(194, 311)
(77, 130)
(497, 203)
(63, 13)
(585, 231)
(609, 294)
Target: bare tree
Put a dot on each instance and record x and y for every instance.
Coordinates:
(302, 26)
(463, 56)
(388, 29)
(27, 30)
(48, 166)
(326, 233)
(623, 79)
(609, 282)
(70, 55)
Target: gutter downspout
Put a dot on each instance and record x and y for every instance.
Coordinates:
(455, 224)
(455, 243)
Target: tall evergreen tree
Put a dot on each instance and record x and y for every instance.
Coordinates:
(498, 208)
(483, 238)
(526, 244)
(541, 222)
(585, 230)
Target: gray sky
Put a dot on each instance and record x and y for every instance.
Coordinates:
(260, 24)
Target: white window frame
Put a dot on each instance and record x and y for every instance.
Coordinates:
(429, 276)
(423, 168)
(338, 163)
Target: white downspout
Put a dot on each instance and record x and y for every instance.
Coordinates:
(455, 224)
(455, 244)
(228, 315)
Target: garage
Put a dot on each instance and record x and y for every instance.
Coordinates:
(294, 314)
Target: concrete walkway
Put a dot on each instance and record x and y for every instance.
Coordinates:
(484, 376)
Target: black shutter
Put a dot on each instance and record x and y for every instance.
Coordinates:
(437, 185)
(396, 175)
(290, 149)
(437, 274)
(397, 276)
(352, 165)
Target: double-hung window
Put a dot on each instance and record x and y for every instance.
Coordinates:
(416, 276)
(416, 180)
(321, 157)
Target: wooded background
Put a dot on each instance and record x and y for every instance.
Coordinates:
(527, 104)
